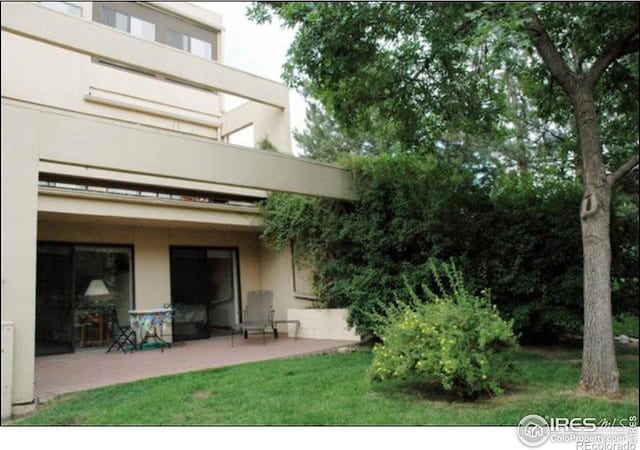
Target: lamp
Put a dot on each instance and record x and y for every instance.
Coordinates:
(97, 290)
(96, 294)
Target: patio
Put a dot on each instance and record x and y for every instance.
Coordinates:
(89, 369)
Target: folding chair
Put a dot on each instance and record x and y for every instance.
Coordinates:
(258, 315)
(121, 336)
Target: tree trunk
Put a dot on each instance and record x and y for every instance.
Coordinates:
(599, 367)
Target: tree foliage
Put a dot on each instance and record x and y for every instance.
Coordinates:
(325, 140)
(460, 75)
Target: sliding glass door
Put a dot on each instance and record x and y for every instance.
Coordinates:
(76, 286)
(54, 300)
(204, 291)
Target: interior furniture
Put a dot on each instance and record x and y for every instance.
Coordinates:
(93, 330)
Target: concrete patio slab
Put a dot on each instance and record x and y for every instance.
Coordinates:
(89, 369)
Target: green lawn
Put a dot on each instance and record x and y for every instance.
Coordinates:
(334, 389)
(626, 324)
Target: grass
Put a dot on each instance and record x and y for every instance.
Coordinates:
(626, 324)
(335, 390)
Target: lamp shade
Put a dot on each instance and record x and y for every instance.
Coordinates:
(97, 289)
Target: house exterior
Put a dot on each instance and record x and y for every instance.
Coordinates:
(118, 181)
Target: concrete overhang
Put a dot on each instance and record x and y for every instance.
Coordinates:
(108, 146)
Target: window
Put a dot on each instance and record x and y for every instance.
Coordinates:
(129, 24)
(142, 29)
(200, 48)
(144, 191)
(64, 7)
(190, 44)
(154, 24)
(178, 40)
(115, 19)
(302, 277)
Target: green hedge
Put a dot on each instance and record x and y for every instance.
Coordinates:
(517, 235)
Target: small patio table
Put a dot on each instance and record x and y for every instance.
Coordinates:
(150, 324)
(275, 327)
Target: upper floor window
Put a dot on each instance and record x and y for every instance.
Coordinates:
(189, 43)
(129, 24)
(147, 22)
(64, 7)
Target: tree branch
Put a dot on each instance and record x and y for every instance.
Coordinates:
(552, 59)
(622, 170)
(623, 46)
(420, 71)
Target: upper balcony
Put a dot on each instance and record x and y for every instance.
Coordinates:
(157, 64)
(152, 116)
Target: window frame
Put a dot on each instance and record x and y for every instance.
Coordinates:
(129, 19)
(188, 40)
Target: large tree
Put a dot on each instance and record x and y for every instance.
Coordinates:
(599, 368)
(440, 75)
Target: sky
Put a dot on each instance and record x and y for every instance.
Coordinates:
(258, 49)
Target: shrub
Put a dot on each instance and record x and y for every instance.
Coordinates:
(454, 340)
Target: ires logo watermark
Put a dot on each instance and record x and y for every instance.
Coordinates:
(533, 430)
(588, 434)
(575, 424)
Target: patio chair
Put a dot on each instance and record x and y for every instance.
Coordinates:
(258, 315)
(122, 337)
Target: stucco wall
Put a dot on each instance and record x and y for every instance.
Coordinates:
(323, 324)
(18, 247)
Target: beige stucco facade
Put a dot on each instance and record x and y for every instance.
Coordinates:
(68, 118)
